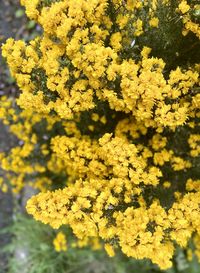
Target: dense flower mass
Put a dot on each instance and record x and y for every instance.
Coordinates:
(108, 122)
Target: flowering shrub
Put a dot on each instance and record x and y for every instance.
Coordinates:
(109, 116)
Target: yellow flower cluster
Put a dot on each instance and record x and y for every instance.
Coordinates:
(31, 162)
(189, 24)
(60, 242)
(110, 125)
(194, 142)
(141, 232)
(70, 67)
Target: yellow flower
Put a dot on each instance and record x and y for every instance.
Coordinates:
(110, 250)
(154, 22)
(60, 242)
(183, 7)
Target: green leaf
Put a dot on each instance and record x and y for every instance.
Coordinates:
(19, 13)
(30, 24)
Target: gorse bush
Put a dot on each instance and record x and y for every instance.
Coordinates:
(109, 122)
